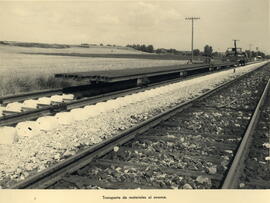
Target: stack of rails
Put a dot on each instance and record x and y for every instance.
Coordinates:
(110, 76)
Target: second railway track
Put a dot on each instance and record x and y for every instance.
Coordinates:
(93, 94)
(190, 146)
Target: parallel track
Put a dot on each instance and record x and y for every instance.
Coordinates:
(51, 175)
(30, 95)
(255, 170)
(15, 118)
(232, 180)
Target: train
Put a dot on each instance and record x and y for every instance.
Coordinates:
(236, 55)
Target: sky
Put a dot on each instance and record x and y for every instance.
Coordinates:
(160, 23)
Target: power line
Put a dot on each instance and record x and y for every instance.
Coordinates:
(192, 33)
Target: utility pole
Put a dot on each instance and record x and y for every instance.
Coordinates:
(192, 33)
(250, 46)
(235, 47)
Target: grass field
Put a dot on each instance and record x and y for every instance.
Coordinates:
(73, 49)
(26, 72)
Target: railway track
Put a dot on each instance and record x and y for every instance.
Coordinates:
(4, 100)
(256, 166)
(30, 95)
(189, 146)
(99, 94)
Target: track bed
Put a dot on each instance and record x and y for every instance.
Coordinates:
(256, 174)
(192, 149)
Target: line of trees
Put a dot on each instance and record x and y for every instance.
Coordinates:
(252, 54)
(207, 51)
(143, 47)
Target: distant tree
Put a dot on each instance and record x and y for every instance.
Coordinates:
(150, 48)
(158, 51)
(248, 53)
(208, 50)
(196, 52)
(161, 51)
(261, 54)
(100, 44)
(145, 48)
(253, 54)
(215, 54)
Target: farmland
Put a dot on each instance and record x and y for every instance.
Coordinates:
(21, 70)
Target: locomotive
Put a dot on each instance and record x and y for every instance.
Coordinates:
(236, 55)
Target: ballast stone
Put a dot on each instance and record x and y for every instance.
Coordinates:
(8, 135)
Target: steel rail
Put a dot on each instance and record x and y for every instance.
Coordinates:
(232, 179)
(28, 95)
(15, 118)
(49, 176)
(33, 95)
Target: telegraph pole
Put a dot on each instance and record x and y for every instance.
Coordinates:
(250, 47)
(235, 48)
(192, 33)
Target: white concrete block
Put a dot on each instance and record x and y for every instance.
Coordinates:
(31, 103)
(68, 96)
(47, 123)
(113, 104)
(14, 106)
(100, 107)
(44, 100)
(91, 110)
(64, 118)
(8, 135)
(57, 98)
(28, 128)
(80, 114)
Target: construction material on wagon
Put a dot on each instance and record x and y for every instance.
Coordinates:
(129, 74)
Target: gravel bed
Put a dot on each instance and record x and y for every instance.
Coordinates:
(257, 166)
(18, 161)
(201, 140)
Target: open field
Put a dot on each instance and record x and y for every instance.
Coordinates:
(92, 51)
(73, 49)
(26, 72)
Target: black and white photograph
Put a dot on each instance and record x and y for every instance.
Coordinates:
(115, 97)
